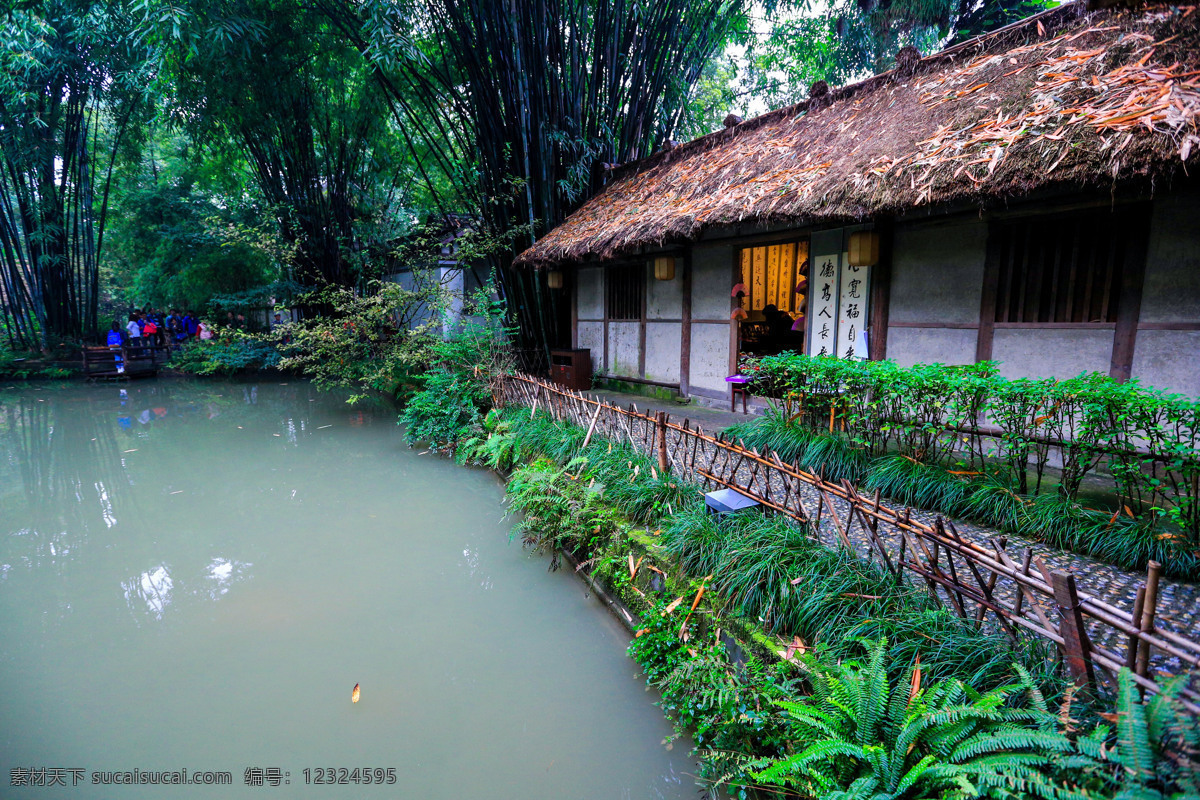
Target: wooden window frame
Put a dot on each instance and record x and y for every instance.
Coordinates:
(1124, 293)
(637, 270)
(636, 267)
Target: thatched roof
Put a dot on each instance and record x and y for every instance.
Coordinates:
(1062, 99)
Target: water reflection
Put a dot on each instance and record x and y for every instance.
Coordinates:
(471, 561)
(222, 574)
(84, 467)
(153, 588)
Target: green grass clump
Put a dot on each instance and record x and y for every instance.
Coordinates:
(766, 568)
(915, 484)
(694, 541)
(773, 432)
(990, 498)
(832, 455)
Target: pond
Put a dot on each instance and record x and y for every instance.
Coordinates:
(195, 575)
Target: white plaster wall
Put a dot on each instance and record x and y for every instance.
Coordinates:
(662, 351)
(1052, 353)
(712, 270)
(664, 299)
(591, 336)
(710, 356)
(589, 287)
(1171, 291)
(408, 282)
(937, 273)
(1168, 360)
(908, 346)
(623, 349)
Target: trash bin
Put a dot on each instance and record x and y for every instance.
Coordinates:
(572, 368)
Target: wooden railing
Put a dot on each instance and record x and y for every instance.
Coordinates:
(980, 581)
(124, 361)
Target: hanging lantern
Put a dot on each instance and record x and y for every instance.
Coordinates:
(664, 268)
(864, 249)
(554, 279)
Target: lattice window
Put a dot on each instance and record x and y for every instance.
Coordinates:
(1061, 269)
(625, 291)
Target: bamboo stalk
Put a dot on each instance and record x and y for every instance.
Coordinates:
(591, 427)
(1146, 625)
(1132, 645)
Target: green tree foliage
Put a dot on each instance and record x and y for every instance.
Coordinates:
(374, 340)
(304, 114)
(540, 95)
(177, 241)
(799, 42)
(980, 16)
(73, 75)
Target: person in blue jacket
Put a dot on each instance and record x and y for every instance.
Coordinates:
(114, 341)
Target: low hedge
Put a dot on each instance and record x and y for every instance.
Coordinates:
(984, 496)
(970, 418)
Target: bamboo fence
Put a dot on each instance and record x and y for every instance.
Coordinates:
(981, 582)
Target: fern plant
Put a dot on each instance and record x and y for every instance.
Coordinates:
(497, 447)
(861, 735)
(1158, 744)
(558, 510)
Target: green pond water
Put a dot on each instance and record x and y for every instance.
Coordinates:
(194, 575)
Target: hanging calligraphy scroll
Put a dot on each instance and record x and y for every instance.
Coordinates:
(823, 304)
(855, 283)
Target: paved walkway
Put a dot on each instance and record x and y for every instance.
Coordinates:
(1178, 607)
(711, 419)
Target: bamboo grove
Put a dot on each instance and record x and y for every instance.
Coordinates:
(343, 131)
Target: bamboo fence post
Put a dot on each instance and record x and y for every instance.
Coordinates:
(940, 526)
(1138, 604)
(591, 426)
(1146, 625)
(580, 408)
(1035, 592)
(661, 426)
(1076, 646)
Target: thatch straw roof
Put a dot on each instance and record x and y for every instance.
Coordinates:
(1062, 99)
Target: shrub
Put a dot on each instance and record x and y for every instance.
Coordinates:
(448, 409)
(237, 352)
(728, 711)
(939, 415)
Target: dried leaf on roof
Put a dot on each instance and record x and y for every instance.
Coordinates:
(1110, 96)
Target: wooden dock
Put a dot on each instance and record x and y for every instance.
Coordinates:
(125, 362)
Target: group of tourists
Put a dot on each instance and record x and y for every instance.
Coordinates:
(149, 328)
